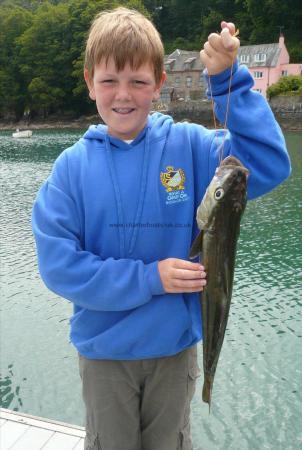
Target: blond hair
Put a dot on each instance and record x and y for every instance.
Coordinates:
(128, 37)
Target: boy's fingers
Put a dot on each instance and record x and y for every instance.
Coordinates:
(205, 58)
(209, 50)
(188, 265)
(228, 25)
(183, 274)
(205, 53)
(222, 43)
(189, 286)
(229, 42)
(215, 42)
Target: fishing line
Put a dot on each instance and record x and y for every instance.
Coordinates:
(226, 113)
(227, 109)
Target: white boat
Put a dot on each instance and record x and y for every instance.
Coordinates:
(22, 134)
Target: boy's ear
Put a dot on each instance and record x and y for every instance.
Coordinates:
(159, 86)
(90, 84)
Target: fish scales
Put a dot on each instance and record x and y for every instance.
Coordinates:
(218, 218)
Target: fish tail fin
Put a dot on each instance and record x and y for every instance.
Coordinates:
(207, 390)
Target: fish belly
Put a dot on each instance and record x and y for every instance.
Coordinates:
(215, 306)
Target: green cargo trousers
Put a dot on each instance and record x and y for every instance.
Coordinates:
(139, 405)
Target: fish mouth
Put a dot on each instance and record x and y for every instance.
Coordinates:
(233, 162)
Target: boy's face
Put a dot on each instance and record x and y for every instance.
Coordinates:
(124, 98)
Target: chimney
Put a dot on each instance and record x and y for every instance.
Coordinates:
(281, 40)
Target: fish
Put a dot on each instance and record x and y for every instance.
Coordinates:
(218, 218)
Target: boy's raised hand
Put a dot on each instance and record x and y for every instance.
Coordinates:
(220, 50)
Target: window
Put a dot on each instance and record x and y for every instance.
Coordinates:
(244, 58)
(260, 57)
(189, 63)
(189, 81)
(165, 97)
(258, 90)
(258, 74)
(284, 73)
(169, 63)
(201, 79)
(177, 82)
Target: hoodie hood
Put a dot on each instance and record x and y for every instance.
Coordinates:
(158, 124)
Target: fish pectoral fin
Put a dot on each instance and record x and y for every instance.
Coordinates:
(196, 248)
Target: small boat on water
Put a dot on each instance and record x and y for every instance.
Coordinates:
(22, 134)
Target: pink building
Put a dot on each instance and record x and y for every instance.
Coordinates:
(267, 63)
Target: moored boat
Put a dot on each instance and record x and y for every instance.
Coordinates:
(22, 134)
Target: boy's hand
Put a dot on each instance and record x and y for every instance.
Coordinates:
(179, 275)
(220, 50)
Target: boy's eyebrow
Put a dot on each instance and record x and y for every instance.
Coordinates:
(134, 75)
(114, 74)
(107, 74)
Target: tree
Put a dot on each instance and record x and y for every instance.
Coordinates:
(269, 15)
(289, 85)
(44, 52)
(178, 19)
(13, 22)
(44, 98)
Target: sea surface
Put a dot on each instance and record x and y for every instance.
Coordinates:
(256, 403)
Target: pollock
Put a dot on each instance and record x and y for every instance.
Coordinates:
(218, 218)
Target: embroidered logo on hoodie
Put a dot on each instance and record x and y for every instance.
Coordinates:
(173, 181)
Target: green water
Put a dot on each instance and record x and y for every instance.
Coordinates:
(256, 401)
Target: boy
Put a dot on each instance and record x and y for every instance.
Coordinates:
(115, 221)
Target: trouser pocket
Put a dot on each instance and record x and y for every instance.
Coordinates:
(193, 372)
(185, 442)
(92, 441)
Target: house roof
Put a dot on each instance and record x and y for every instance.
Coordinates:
(272, 52)
(186, 60)
(183, 60)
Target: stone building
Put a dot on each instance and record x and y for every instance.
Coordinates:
(184, 77)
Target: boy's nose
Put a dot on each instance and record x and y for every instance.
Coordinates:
(123, 92)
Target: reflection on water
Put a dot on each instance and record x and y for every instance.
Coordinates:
(8, 393)
(34, 322)
(43, 146)
(256, 398)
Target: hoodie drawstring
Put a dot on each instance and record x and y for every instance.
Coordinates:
(143, 184)
(118, 200)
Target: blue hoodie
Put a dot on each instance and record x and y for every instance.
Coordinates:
(110, 211)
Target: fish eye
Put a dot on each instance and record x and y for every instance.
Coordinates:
(219, 193)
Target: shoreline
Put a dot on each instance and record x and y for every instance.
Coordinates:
(59, 123)
(286, 123)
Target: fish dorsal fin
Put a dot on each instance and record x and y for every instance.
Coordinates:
(196, 246)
